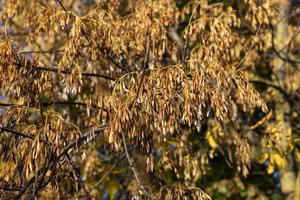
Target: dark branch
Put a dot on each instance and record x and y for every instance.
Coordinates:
(61, 5)
(2, 129)
(83, 140)
(78, 175)
(9, 188)
(286, 59)
(46, 104)
(8, 104)
(80, 142)
(279, 89)
(87, 74)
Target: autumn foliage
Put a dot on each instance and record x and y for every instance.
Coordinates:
(149, 99)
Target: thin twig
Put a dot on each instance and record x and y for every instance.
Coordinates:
(9, 188)
(286, 59)
(30, 182)
(83, 140)
(281, 90)
(87, 38)
(132, 167)
(109, 171)
(61, 5)
(143, 74)
(51, 103)
(8, 104)
(88, 74)
(34, 194)
(57, 70)
(41, 51)
(78, 176)
(2, 129)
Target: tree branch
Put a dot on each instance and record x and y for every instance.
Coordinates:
(286, 59)
(87, 74)
(45, 104)
(81, 141)
(279, 89)
(61, 5)
(78, 176)
(132, 167)
(2, 129)
(41, 51)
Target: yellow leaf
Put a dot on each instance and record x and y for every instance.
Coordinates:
(263, 158)
(273, 130)
(112, 187)
(20, 101)
(211, 140)
(278, 160)
(270, 168)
